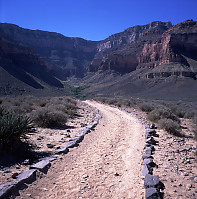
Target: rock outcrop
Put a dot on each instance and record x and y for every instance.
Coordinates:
(154, 51)
(120, 52)
(150, 46)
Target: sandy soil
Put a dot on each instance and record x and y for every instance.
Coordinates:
(56, 138)
(107, 164)
(177, 163)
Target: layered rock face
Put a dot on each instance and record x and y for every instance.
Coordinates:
(151, 46)
(163, 49)
(65, 56)
(120, 52)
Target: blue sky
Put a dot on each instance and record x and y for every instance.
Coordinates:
(93, 19)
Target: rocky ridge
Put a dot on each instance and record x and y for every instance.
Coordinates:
(155, 45)
(65, 56)
(154, 51)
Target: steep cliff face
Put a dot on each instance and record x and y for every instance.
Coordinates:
(65, 56)
(177, 45)
(132, 34)
(120, 52)
(151, 46)
(158, 49)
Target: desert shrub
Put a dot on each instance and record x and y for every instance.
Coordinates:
(41, 103)
(16, 103)
(62, 107)
(162, 113)
(195, 120)
(112, 101)
(195, 134)
(130, 103)
(189, 114)
(13, 127)
(49, 118)
(195, 127)
(177, 111)
(146, 107)
(170, 126)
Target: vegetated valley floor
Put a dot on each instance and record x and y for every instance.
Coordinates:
(107, 164)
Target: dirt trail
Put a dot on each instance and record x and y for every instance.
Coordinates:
(106, 165)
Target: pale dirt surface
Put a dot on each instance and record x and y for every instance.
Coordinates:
(176, 158)
(57, 138)
(106, 164)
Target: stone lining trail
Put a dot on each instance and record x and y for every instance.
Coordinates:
(107, 164)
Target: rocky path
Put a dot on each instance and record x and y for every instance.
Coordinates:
(107, 164)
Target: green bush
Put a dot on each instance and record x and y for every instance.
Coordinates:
(49, 118)
(162, 113)
(13, 127)
(170, 126)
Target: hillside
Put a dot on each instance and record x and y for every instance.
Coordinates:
(154, 60)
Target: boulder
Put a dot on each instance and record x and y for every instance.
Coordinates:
(41, 165)
(152, 193)
(149, 151)
(62, 150)
(146, 170)
(151, 141)
(151, 181)
(145, 156)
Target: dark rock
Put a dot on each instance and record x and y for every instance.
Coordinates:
(149, 161)
(150, 131)
(26, 162)
(147, 135)
(50, 145)
(7, 171)
(192, 178)
(149, 151)
(71, 144)
(40, 165)
(146, 170)
(116, 174)
(151, 141)
(67, 135)
(62, 141)
(145, 156)
(26, 176)
(151, 181)
(152, 126)
(14, 175)
(6, 188)
(62, 150)
(152, 193)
